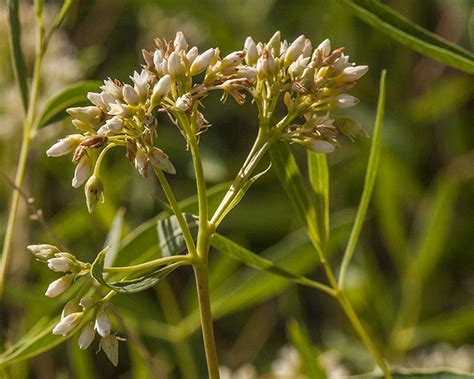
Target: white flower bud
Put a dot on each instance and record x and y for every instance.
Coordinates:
(159, 159)
(43, 251)
(180, 42)
(119, 109)
(90, 115)
(94, 192)
(160, 90)
(345, 101)
(61, 264)
(111, 87)
(110, 346)
(274, 43)
(141, 84)
(247, 72)
(202, 62)
(192, 54)
(96, 99)
(102, 323)
(157, 58)
(294, 50)
(175, 66)
(141, 162)
(59, 286)
(232, 60)
(184, 102)
(308, 47)
(86, 302)
(64, 146)
(111, 125)
(251, 53)
(297, 67)
(353, 73)
(325, 48)
(68, 324)
(82, 171)
(70, 307)
(321, 146)
(130, 95)
(107, 99)
(87, 336)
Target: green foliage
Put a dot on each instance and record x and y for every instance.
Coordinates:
(170, 236)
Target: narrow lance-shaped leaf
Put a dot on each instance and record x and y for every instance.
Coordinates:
(401, 29)
(18, 60)
(113, 238)
(170, 236)
(369, 181)
(72, 96)
(131, 285)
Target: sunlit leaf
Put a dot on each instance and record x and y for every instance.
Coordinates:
(170, 236)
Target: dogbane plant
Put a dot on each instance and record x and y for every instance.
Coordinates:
(295, 88)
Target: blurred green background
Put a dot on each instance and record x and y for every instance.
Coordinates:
(412, 280)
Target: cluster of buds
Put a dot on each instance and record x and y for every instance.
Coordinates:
(59, 261)
(175, 77)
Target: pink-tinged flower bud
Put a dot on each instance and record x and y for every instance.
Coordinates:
(251, 52)
(59, 286)
(273, 44)
(159, 159)
(43, 251)
(294, 50)
(130, 95)
(180, 42)
(321, 146)
(110, 346)
(345, 101)
(90, 115)
(325, 48)
(160, 90)
(202, 62)
(64, 146)
(68, 324)
(141, 162)
(94, 192)
(87, 336)
(175, 66)
(61, 264)
(96, 99)
(82, 171)
(232, 60)
(192, 54)
(102, 323)
(353, 73)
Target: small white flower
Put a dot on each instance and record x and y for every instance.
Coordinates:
(251, 53)
(130, 95)
(274, 43)
(82, 171)
(175, 66)
(192, 54)
(61, 264)
(110, 346)
(160, 90)
(112, 88)
(233, 59)
(294, 50)
(90, 115)
(298, 66)
(120, 109)
(321, 146)
(111, 125)
(159, 159)
(96, 99)
(307, 49)
(246, 72)
(184, 102)
(64, 146)
(102, 323)
(345, 101)
(67, 324)
(325, 48)
(141, 84)
(202, 62)
(86, 302)
(353, 73)
(180, 42)
(43, 251)
(87, 336)
(59, 286)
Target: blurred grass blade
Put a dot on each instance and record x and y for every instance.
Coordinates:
(170, 237)
(398, 27)
(251, 259)
(17, 58)
(72, 96)
(80, 362)
(291, 180)
(368, 182)
(113, 237)
(319, 178)
(308, 353)
(139, 284)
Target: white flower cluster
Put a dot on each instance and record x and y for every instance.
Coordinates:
(311, 82)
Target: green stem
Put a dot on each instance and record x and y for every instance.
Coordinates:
(151, 264)
(188, 238)
(202, 287)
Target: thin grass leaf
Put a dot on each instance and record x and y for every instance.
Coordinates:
(16, 53)
(72, 96)
(319, 179)
(385, 19)
(290, 178)
(308, 353)
(368, 183)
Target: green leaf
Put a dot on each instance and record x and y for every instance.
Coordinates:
(290, 178)
(401, 29)
(72, 96)
(251, 259)
(139, 284)
(16, 54)
(308, 353)
(369, 181)
(170, 236)
(319, 179)
(113, 237)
